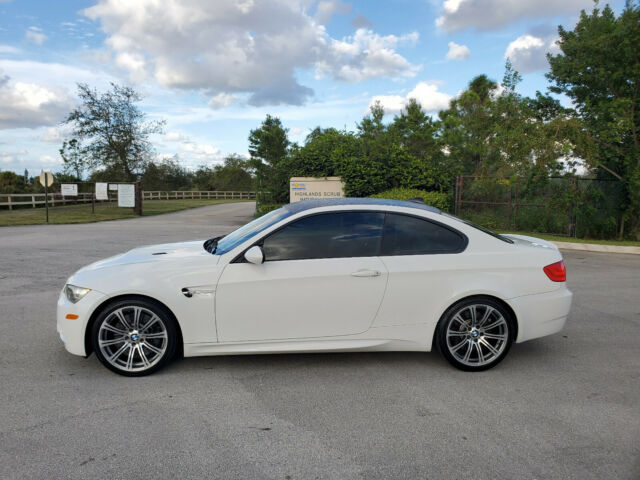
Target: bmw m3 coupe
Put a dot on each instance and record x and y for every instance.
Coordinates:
(320, 276)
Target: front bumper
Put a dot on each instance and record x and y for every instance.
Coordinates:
(72, 331)
(542, 314)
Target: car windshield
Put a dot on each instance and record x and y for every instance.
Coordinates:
(482, 229)
(241, 235)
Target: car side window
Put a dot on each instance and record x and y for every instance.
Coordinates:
(327, 235)
(406, 235)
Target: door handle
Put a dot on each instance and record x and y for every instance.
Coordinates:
(366, 273)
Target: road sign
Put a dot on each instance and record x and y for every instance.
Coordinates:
(308, 188)
(46, 179)
(69, 189)
(126, 195)
(101, 191)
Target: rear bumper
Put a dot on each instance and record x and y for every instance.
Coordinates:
(541, 315)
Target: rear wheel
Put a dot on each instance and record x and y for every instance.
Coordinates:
(475, 334)
(134, 337)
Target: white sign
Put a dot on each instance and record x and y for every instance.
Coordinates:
(46, 177)
(308, 188)
(113, 186)
(69, 189)
(101, 191)
(127, 195)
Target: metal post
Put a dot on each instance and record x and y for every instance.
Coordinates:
(138, 194)
(93, 199)
(455, 196)
(509, 208)
(46, 198)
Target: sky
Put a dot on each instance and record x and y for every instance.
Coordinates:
(213, 69)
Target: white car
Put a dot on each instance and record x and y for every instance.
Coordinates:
(320, 276)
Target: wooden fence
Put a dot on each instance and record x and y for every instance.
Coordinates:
(197, 195)
(10, 200)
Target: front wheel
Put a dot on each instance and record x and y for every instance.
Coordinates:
(475, 334)
(134, 337)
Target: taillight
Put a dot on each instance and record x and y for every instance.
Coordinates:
(556, 272)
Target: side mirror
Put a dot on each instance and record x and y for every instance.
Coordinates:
(254, 255)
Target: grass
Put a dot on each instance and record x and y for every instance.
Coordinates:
(82, 214)
(560, 238)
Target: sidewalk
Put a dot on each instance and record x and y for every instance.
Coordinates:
(592, 247)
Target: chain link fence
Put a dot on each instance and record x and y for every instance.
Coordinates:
(567, 205)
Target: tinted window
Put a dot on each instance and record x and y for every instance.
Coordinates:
(244, 233)
(404, 235)
(329, 235)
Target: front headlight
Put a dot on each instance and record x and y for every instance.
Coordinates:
(74, 294)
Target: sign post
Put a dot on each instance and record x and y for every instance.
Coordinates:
(138, 208)
(46, 180)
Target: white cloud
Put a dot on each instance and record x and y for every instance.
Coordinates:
(367, 55)
(328, 8)
(30, 105)
(425, 93)
(221, 100)
(494, 14)
(35, 35)
(528, 52)
(199, 153)
(54, 74)
(8, 49)
(458, 52)
(53, 135)
(223, 47)
(176, 137)
(297, 131)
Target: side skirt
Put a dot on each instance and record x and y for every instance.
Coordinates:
(413, 338)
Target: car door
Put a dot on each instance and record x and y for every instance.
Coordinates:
(321, 277)
(422, 258)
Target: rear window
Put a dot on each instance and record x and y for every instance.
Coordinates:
(482, 229)
(406, 235)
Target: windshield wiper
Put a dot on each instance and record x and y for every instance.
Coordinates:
(211, 244)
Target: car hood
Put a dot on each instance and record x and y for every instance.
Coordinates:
(165, 252)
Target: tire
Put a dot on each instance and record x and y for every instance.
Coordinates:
(475, 334)
(134, 337)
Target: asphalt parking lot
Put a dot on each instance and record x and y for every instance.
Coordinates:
(566, 406)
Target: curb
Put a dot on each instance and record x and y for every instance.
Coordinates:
(592, 247)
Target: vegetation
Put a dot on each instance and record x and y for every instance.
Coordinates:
(103, 212)
(435, 199)
(512, 145)
(599, 70)
(110, 132)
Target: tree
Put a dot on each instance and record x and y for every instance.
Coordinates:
(10, 182)
(268, 147)
(468, 124)
(112, 130)
(599, 69)
(73, 157)
(233, 175)
(166, 174)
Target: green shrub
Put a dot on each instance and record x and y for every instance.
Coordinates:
(264, 208)
(435, 199)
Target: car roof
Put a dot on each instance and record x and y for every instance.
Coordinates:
(341, 202)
